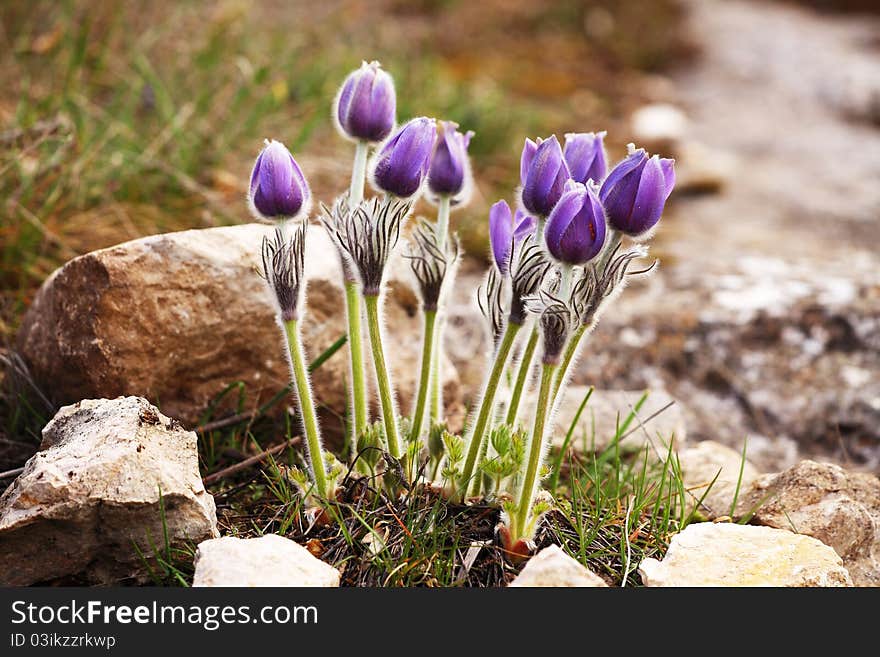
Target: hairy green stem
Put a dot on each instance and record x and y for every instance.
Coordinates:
(306, 406)
(358, 174)
(487, 403)
(436, 391)
(383, 380)
(571, 349)
(356, 360)
(528, 480)
(522, 375)
(425, 375)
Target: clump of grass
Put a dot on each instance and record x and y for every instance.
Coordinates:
(613, 508)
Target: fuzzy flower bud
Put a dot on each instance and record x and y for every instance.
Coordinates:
(278, 189)
(543, 174)
(636, 190)
(402, 163)
(449, 174)
(506, 231)
(585, 156)
(575, 232)
(284, 268)
(366, 105)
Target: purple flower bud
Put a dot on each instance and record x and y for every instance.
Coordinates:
(543, 173)
(585, 156)
(278, 189)
(636, 190)
(575, 232)
(366, 106)
(450, 170)
(505, 232)
(402, 163)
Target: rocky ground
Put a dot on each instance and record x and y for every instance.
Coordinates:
(763, 317)
(761, 322)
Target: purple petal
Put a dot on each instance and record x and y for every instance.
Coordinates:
(561, 218)
(668, 167)
(649, 199)
(585, 156)
(575, 231)
(545, 178)
(528, 154)
(524, 225)
(449, 162)
(403, 162)
(501, 235)
(366, 106)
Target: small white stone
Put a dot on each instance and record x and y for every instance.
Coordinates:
(659, 122)
(269, 560)
(723, 554)
(552, 567)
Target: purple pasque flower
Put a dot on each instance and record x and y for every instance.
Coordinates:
(636, 190)
(366, 106)
(449, 174)
(575, 231)
(506, 231)
(543, 173)
(402, 162)
(585, 156)
(278, 189)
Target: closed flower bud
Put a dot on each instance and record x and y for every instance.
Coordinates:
(543, 173)
(278, 189)
(505, 231)
(636, 190)
(449, 174)
(366, 106)
(575, 231)
(585, 155)
(402, 163)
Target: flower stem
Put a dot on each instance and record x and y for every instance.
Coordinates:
(528, 480)
(487, 404)
(425, 376)
(383, 381)
(306, 406)
(358, 174)
(443, 221)
(356, 359)
(525, 366)
(442, 238)
(570, 350)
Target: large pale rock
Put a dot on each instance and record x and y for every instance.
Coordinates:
(92, 497)
(552, 567)
(181, 316)
(840, 508)
(607, 410)
(269, 560)
(724, 554)
(708, 461)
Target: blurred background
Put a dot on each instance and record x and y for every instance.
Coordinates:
(124, 119)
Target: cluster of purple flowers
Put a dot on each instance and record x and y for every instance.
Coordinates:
(568, 194)
(558, 255)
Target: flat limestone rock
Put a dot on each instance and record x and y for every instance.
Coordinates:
(724, 554)
(702, 463)
(552, 567)
(822, 500)
(90, 499)
(180, 317)
(269, 560)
